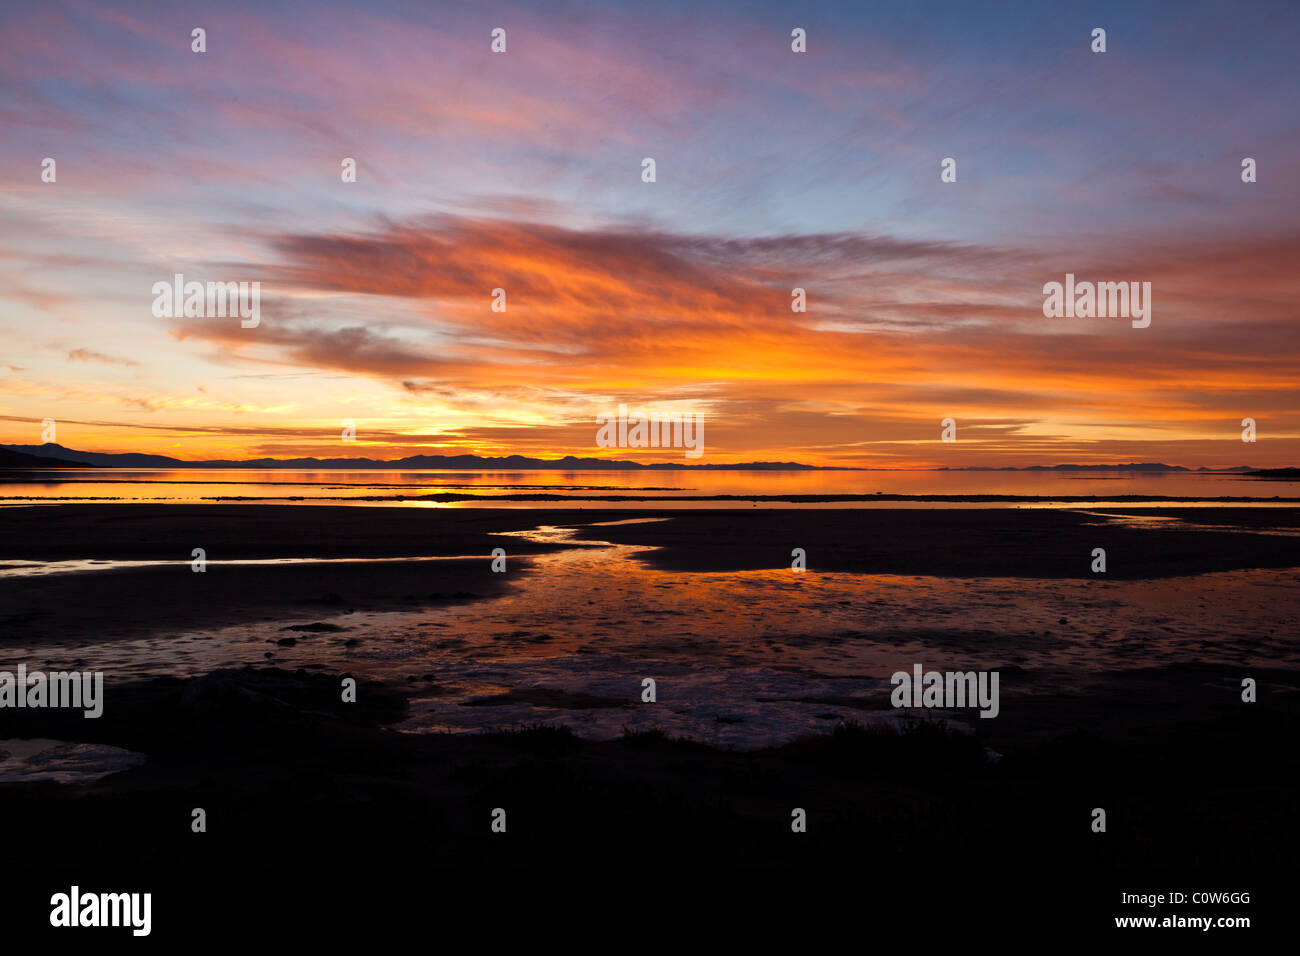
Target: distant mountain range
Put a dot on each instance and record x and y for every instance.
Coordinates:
(1135, 466)
(51, 455)
(17, 459)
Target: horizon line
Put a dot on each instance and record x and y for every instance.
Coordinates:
(272, 462)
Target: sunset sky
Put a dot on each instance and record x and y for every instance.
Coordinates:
(522, 171)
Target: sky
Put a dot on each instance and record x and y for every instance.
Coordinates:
(774, 170)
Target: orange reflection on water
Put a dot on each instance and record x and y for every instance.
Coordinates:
(585, 488)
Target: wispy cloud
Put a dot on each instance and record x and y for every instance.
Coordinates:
(776, 170)
(87, 355)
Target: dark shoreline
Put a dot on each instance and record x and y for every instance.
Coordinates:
(165, 531)
(947, 543)
(109, 604)
(449, 497)
(1196, 783)
(279, 764)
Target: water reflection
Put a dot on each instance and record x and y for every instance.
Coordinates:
(584, 488)
(741, 658)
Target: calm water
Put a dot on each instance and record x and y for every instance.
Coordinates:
(585, 488)
(742, 659)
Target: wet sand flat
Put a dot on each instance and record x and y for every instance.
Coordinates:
(1119, 690)
(1032, 543)
(749, 652)
(119, 602)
